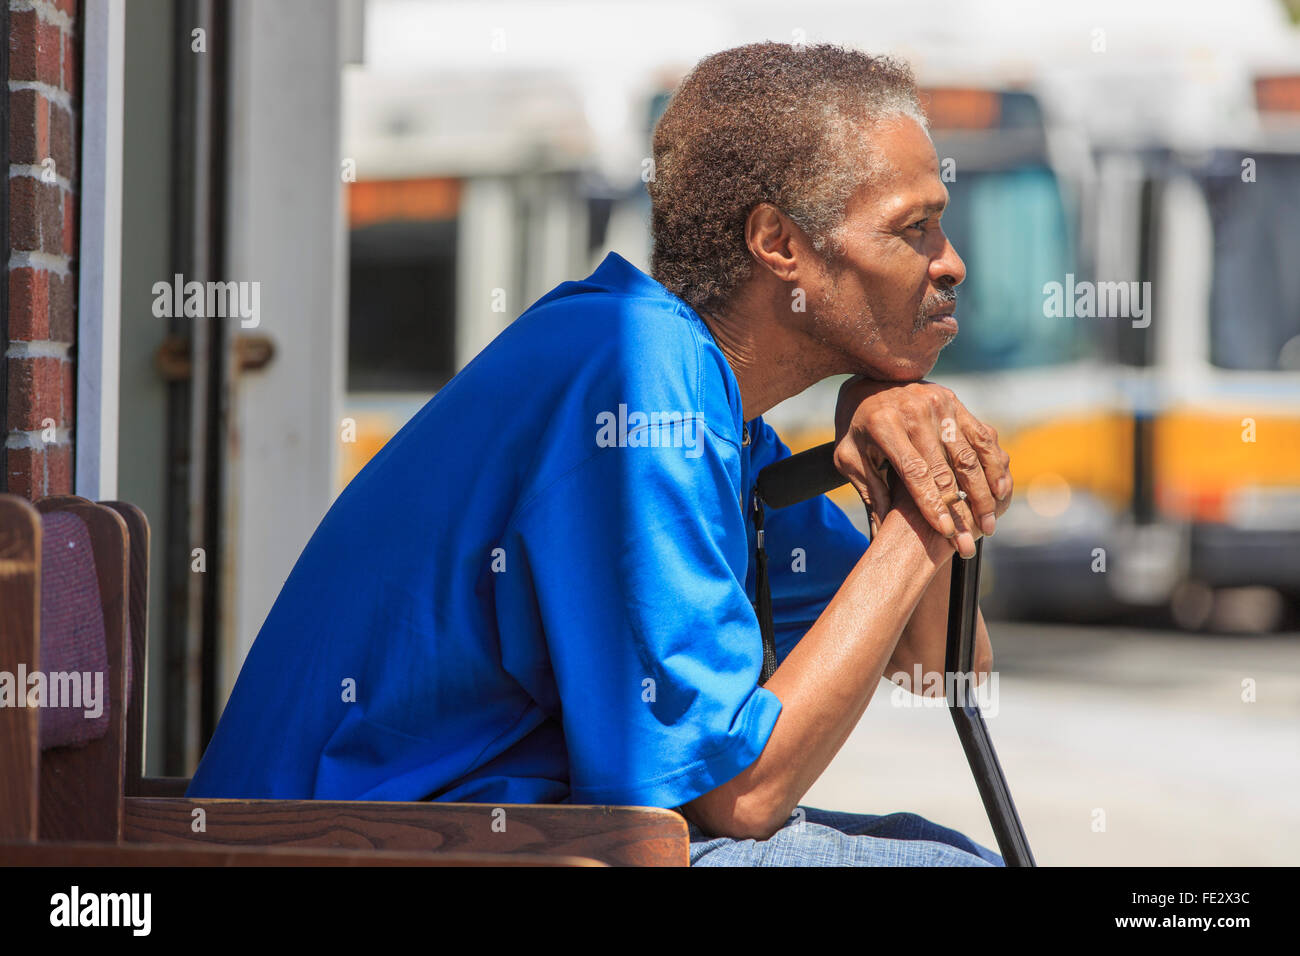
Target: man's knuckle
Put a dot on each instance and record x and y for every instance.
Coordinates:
(967, 458)
(984, 435)
(915, 469)
(881, 416)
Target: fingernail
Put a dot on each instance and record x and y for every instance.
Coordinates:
(946, 526)
(1004, 486)
(989, 524)
(966, 544)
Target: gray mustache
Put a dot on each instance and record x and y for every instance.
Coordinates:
(942, 297)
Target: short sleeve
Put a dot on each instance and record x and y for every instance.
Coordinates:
(632, 566)
(811, 548)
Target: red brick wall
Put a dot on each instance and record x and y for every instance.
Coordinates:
(44, 113)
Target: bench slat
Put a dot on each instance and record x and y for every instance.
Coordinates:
(153, 854)
(619, 836)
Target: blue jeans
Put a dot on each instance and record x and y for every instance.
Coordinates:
(823, 838)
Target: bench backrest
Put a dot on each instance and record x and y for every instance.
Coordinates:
(20, 604)
(64, 613)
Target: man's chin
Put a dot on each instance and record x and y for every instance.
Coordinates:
(912, 367)
(900, 369)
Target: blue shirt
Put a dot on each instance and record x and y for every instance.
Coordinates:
(540, 590)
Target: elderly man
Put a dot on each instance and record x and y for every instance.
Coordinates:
(542, 589)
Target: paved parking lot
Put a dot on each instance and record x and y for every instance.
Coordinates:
(1144, 733)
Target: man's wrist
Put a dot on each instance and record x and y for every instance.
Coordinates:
(908, 524)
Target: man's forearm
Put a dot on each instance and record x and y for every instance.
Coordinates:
(827, 680)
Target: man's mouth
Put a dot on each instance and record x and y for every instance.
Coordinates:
(939, 314)
(946, 321)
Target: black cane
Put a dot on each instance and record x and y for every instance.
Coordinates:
(959, 663)
(811, 473)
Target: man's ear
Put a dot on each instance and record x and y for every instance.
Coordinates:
(773, 239)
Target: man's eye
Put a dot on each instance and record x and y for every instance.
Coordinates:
(919, 224)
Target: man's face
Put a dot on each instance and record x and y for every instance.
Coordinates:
(885, 307)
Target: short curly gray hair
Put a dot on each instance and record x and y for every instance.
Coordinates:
(765, 122)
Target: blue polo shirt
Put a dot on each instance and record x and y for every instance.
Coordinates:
(540, 590)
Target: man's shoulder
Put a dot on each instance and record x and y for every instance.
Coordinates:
(634, 319)
(629, 340)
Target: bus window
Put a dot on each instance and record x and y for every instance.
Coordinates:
(1010, 228)
(1255, 292)
(402, 306)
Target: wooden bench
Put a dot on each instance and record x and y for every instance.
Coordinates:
(97, 792)
(158, 854)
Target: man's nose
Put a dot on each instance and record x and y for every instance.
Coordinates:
(947, 267)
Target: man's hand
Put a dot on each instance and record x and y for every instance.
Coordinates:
(935, 446)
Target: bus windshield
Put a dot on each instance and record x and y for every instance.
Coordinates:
(1255, 293)
(1011, 229)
